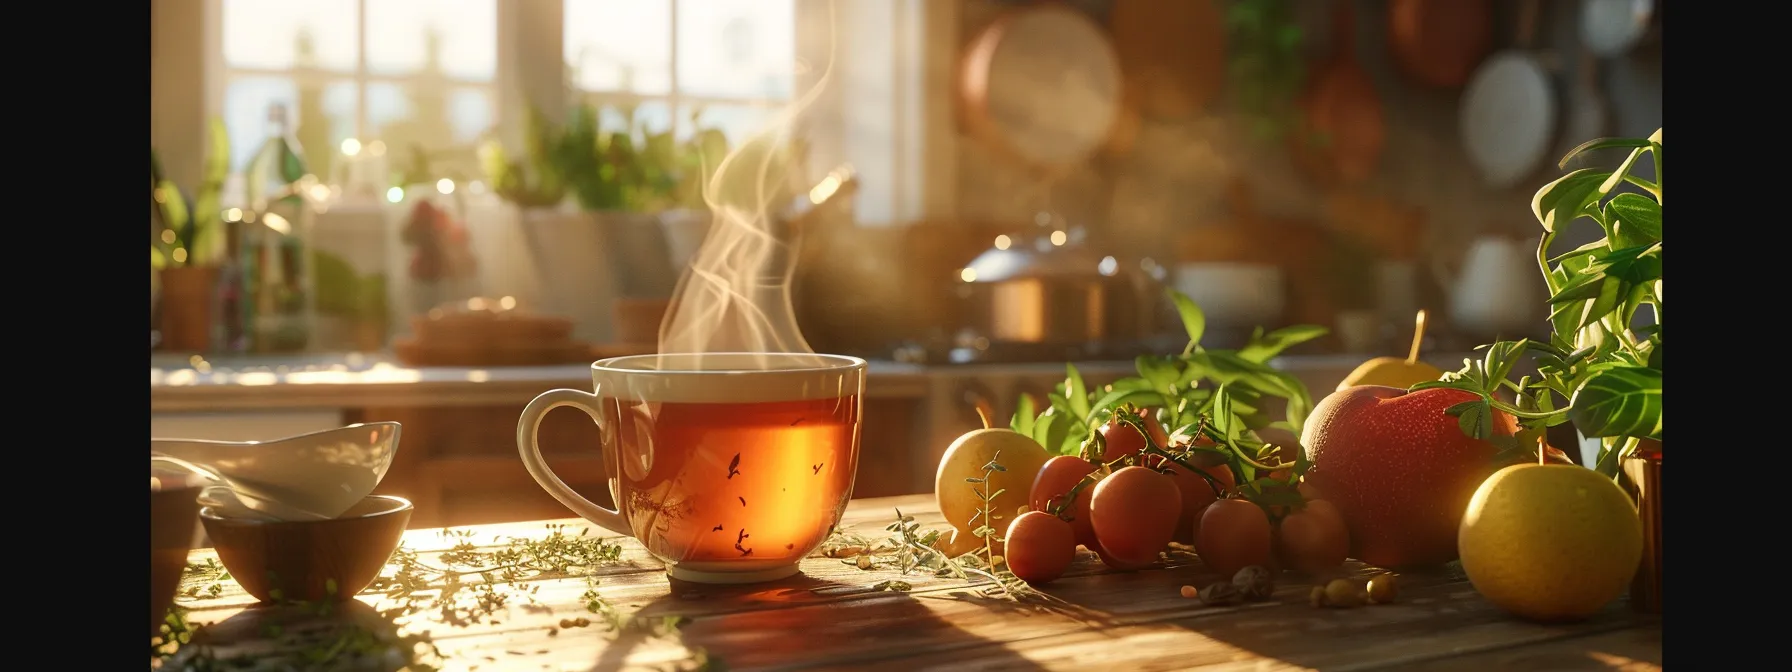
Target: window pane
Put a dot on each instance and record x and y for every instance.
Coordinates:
(736, 48)
(324, 114)
(738, 122)
(267, 34)
(472, 112)
(619, 45)
(415, 113)
(458, 38)
(651, 116)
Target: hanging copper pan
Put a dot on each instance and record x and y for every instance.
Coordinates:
(1342, 128)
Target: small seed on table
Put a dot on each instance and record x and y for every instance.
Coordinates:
(864, 562)
(1189, 591)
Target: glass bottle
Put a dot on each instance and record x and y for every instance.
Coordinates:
(277, 241)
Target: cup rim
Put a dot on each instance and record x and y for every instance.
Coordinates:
(618, 365)
(396, 505)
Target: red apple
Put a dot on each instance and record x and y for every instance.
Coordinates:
(1399, 469)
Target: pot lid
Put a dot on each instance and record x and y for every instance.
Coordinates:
(1052, 248)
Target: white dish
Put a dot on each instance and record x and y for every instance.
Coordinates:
(1233, 294)
(310, 476)
(1610, 27)
(1508, 118)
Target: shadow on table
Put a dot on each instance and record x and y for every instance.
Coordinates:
(342, 635)
(1132, 620)
(797, 623)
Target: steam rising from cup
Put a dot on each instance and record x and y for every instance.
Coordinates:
(735, 295)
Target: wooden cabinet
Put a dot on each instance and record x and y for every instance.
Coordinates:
(459, 465)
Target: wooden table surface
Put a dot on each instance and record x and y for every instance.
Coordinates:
(833, 617)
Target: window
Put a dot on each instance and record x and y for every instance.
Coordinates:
(730, 62)
(391, 73)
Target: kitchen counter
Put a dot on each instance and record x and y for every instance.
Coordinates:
(320, 381)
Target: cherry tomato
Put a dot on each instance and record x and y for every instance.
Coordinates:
(1122, 440)
(1040, 546)
(1314, 539)
(1197, 492)
(1059, 475)
(1134, 511)
(1234, 534)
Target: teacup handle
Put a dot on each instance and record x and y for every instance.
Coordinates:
(529, 426)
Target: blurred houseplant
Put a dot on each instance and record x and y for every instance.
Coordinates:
(641, 206)
(186, 246)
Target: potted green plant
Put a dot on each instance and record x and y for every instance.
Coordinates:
(638, 208)
(1600, 368)
(185, 246)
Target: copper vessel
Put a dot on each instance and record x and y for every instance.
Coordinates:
(1643, 470)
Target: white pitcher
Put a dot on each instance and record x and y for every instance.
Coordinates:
(1497, 291)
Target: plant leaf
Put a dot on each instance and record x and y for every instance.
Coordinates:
(1655, 356)
(1474, 417)
(1141, 398)
(1611, 290)
(1161, 372)
(1023, 416)
(1193, 320)
(1075, 392)
(1600, 143)
(1636, 220)
(1264, 349)
(1619, 401)
(1567, 198)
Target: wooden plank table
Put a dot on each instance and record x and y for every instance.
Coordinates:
(834, 616)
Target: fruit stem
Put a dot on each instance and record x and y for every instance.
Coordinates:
(1543, 450)
(1061, 503)
(1418, 337)
(983, 415)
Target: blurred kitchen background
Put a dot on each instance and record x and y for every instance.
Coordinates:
(431, 210)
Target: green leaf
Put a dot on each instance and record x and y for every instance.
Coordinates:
(1619, 401)
(1474, 417)
(1023, 416)
(1140, 398)
(1611, 290)
(1075, 392)
(1193, 320)
(1161, 372)
(1600, 143)
(1500, 359)
(1564, 320)
(1579, 287)
(1594, 247)
(1567, 198)
(1636, 220)
(1655, 356)
(1264, 349)
(1635, 265)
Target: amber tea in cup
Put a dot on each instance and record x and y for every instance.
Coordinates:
(730, 468)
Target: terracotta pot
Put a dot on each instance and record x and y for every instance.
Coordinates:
(1643, 470)
(187, 308)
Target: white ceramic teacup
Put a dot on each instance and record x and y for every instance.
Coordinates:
(730, 468)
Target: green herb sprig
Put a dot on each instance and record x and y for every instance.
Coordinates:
(1595, 370)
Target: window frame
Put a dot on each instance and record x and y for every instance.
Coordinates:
(673, 98)
(916, 162)
(219, 73)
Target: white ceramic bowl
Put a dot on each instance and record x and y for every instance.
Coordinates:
(310, 476)
(1234, 294)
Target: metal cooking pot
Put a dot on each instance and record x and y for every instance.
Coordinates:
(1047, 287)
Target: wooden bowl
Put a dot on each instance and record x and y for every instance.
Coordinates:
(173, 516)
(314, 560)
